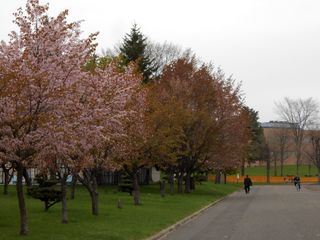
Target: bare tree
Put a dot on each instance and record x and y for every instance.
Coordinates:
(161, 54)
(312, 150)
(278, 140)
(299, 113)
(165, 53)
(283, 143)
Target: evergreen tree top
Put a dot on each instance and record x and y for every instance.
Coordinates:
(133, 49)
(134, 44)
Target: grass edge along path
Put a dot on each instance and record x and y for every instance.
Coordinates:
(187, 219)
(131, 222)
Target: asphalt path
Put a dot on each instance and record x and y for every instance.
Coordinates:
(267, 213)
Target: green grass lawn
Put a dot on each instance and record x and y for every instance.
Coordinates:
(130, 222)
(287, 170)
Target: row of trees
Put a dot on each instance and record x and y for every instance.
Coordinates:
(298, 132)
(65, 111)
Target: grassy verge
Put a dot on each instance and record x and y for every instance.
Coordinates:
(130, 222)
(287, 170)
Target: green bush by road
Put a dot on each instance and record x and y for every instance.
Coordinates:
(130, 222)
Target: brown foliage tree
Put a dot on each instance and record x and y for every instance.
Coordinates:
(197, 119)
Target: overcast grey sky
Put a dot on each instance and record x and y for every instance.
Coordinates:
(271, 46)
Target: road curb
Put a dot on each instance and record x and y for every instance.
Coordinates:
(171, 228)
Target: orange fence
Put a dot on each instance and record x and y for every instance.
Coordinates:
(263, 179)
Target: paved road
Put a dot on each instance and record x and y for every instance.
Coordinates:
(267, 213)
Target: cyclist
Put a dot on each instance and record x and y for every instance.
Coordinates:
(297, 183)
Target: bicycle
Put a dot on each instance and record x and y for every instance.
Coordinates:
(298, 186)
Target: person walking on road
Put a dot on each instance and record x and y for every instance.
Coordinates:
(297, 183)
(247, 184)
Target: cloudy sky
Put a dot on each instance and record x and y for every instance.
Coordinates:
(271, 46)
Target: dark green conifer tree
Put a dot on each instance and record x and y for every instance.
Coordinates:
(133, 49)
(257, 144)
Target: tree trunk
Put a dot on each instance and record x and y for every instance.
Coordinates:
(27, 178)
(6, 180)
(268, 170)
(187, 183)
(298, 162)
(281, 164)
(275, 167)
(73, 186)
(95, 197)
(89, 180)
(217, 179)
(136, 189)
(180, 180)
(21, 201)
(171, 180)
(224, 178)
(242, 167)
(193, 183)
(163, 188)
(95, 203)
(148, 178)
(64, 213)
